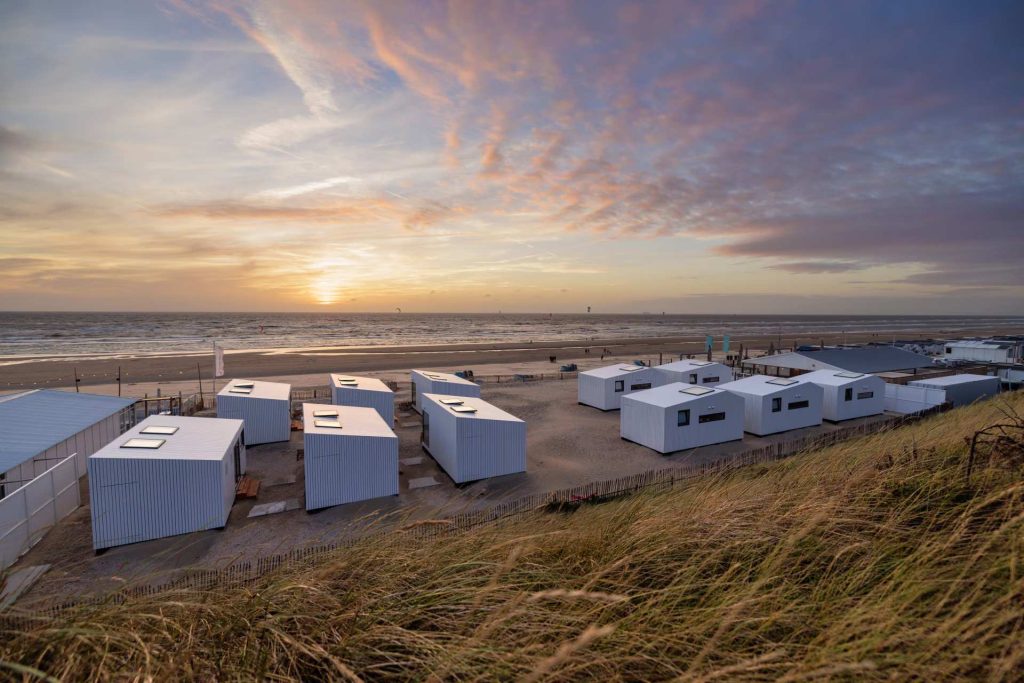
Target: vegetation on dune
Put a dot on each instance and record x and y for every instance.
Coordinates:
(879, 558)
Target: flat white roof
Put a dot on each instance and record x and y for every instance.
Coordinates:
(275, 390)
(614, 370)
(949, 380)
(835, 378)
(355, 421)
(484, 410)
(674, 394)
(361, 383)
(763, 385)
(443, 377)
(688, 364)
(196, 438)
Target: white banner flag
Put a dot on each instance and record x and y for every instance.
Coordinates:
(218, 361)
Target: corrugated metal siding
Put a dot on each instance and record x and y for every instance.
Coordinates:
(643, 423)
(964, 393)
(469, 449)
(344, 469)
(599, 392)
(142, 499)
(723, 372)
(760, 420)
(266, 420)
(425, 385)
(657, 428)
(33, 422)
(836, 408)
(381, 401)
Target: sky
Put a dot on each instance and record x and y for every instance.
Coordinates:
(849, 157)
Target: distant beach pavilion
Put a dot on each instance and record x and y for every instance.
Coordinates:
(680, 416)
(603, 388)
(166, 476)
(265, 407)
(431, 382)
(366, 392)
(351, 454)
(777, 404)
(702, 372)
(472, 439)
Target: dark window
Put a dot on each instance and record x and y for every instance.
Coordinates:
(693, 378)
(638, 387)
(709, 380)
(848, 394)
(865, 394)
(683, 418)
(414, 393)
(776, 405)
(711, 417)
(425, 433)
(620, 385)
(949, 349)
(796, 405)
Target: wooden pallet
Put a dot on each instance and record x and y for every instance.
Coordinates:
(296, 425)
(247, 487)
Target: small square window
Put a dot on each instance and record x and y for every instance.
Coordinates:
(848, 394)
(776, 405)
(620, 386)
(683, 418)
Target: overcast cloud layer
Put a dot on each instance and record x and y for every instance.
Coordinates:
(848, 156)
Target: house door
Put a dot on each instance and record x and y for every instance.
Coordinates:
(425, 431)
(238, 460)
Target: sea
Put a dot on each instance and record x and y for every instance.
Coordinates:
(128, 334)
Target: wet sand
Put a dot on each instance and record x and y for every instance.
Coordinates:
(181, 370)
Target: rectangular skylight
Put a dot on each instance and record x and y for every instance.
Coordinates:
(345, 380)
(240, 390)
(782, 381)
(243, 384)
(697, 391)
(159, 429)
(325, 413)
(700, 363)
(452, 401)
(149, 444)
(327, 424)
(850, 375)
(464, 409)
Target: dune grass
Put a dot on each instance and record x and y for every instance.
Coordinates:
(877, 559)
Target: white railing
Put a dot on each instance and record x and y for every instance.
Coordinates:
(27, 513)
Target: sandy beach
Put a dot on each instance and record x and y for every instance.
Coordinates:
(144, 374)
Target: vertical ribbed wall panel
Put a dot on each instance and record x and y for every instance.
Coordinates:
(381, 401)
(140, 499)
(348, 468)
(267, 420)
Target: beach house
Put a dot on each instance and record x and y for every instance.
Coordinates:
(431, 382)
(365, 392)
(351, 454)
(166, 476)
(702, 372)
(777, 404)
(471, 439)
(679, 416)
(848, 395)
(603, 388)
(265, 407)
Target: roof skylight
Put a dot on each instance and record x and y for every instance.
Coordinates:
(782, 381)
(327, 424)
(697, 391)
(166, 430)
(148, 444)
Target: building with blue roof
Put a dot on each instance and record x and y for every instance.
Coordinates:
(39, 428)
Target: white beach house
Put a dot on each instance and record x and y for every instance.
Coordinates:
(472, 439)
(365, 392)
(848, 395)
(962, 389)
(702, 372)
(431, 382)
(679, 416)
(351, 454)
(265, 407)
(777, 404)
(603, 388)
(166, 476)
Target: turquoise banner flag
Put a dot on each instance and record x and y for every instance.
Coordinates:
(709, 342)
(725, 344)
